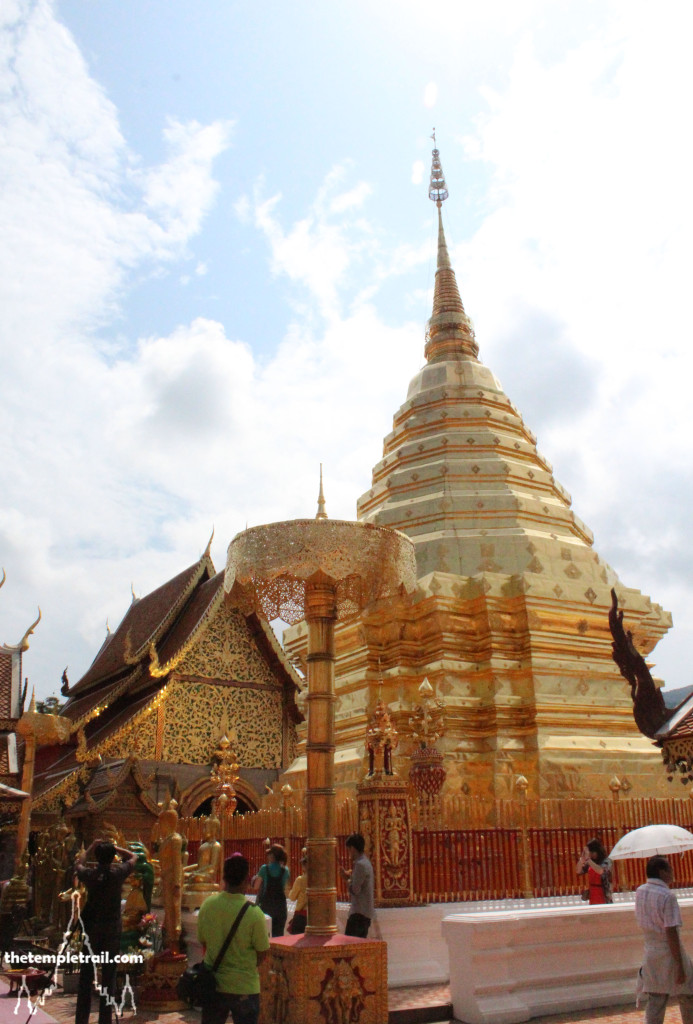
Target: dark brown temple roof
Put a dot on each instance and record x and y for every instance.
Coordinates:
(136, 661)
(193, 614)
(145, 622)
(64, 759)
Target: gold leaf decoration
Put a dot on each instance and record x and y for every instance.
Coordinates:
(228, 651)
(194, 712)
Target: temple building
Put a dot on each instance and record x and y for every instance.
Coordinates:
(509, 622)
(12, 697)
(184, 668)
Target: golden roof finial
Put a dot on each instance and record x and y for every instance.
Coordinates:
(135, 598)
(209, 545)
(4, 577)
(322, 514)
(32, 702)
(437, 190)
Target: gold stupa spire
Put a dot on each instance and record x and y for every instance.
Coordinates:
(321, 513)
(449, 334)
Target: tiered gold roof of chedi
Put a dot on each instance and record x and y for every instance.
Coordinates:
(510, 617)
(460, 472)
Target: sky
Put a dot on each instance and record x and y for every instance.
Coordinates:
(217, 256)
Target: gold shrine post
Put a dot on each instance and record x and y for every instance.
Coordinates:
(319, 569)
(321, 892)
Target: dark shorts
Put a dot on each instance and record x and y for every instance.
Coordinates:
(357, 925)
(245, 1009)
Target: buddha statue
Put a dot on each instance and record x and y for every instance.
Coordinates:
(202, 878)
(135, 906)
(171, 866)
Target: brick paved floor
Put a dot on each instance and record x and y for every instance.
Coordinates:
(60, 1009)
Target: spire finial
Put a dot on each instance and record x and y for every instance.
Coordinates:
(449, 333)
(437, 190)
(321, 514)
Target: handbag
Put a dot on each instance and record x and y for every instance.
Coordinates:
(585, 895)
(197, 985)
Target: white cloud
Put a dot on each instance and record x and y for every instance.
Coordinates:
(180, 192)
(417, 172)
(119, 458)
(430, 95)
(77, 215)
(320, 249)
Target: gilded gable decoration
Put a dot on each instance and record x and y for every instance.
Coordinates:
(191, 734)
(227, 651)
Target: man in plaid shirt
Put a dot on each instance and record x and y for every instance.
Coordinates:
(666, 968)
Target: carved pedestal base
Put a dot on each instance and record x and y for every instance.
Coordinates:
(314, 979)
(385, 824)
(158, 989)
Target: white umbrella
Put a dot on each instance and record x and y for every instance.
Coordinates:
(652, 839)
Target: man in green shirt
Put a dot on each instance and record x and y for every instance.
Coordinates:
(238, 980)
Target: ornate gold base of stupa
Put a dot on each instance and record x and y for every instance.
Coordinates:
(314, 978)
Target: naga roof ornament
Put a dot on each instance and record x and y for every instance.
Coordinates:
(23, 644)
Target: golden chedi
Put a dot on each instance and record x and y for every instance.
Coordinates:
(509, 621)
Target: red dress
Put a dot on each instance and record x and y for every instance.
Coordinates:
(596, 888)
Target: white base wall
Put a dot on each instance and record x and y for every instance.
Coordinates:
(509, 966)
(417, 953)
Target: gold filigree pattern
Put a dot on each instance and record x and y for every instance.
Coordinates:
(227, 650)
(137, 736)
(191, 733)
(65, 792)
(366, 562)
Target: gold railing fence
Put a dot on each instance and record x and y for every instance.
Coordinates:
(467, 848)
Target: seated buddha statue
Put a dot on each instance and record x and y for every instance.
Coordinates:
(202, 878)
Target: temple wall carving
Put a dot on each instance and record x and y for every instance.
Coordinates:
(227, 650)
(254, 715)
(188, 730)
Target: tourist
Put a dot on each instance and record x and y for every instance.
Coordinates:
(297, 925)
(101, 922)
(237, 977)
(272, 882)
(666, 968)
(360, 878)
(594, 863)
